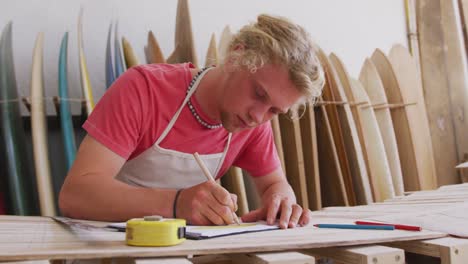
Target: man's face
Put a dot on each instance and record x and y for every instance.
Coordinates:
(250, 99)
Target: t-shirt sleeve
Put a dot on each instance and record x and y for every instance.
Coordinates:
(120, 116)
(259, 156)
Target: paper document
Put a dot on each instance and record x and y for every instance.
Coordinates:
(204, 232)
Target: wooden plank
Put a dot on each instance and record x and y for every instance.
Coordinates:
(294, 158)
(353, 147)
(173, 260)
(457, 73)
(273, 258)
(311, 162)
(361, 254)
(43, 238)
(371, 82)
(436, 90)
(450, 250)
(211, 259)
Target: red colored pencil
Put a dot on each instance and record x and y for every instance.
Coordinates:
(401, 227)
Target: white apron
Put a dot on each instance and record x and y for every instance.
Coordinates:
(165, 168)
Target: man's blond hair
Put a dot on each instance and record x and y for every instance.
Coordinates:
(276, 40)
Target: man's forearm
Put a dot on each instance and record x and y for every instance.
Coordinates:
(114, 201)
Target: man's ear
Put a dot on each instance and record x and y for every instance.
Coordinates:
(232, 61)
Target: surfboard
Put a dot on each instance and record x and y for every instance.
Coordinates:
(224, 41)
(66, 124)
(374, 146)
(311, 163)
(85, 82)
(129, 54)
(369, 134)
(119, 63)
(184, 47)
(337, 134)
(332, 188)
(410, 84)
(212, 52)
(153, 51)
(294, 158)
(110, 75)
(357, 165)
(371, 82)
(275, 126)
(416, 175)
(12, 133)
(39, 131)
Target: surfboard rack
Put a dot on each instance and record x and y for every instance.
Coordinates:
(56, 100)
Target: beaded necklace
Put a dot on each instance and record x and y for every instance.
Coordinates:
(192, 109)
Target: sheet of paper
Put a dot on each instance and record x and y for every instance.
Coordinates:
(203, 232)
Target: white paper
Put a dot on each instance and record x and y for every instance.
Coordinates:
(201, 232)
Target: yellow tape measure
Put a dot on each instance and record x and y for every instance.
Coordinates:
(154, 231)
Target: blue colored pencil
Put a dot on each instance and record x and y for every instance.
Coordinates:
(350, 226)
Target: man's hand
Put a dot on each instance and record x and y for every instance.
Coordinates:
(206, 204)
(278, 200)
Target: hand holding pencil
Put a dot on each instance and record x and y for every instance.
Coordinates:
(210, 178)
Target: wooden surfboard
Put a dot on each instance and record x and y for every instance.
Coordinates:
(408, 77)
(224, 41)
(68, 134)
(12, 133)
(212, 53)
(110, 75)
(311, 163)
(233, 181)
(332, 187)
(371, 82)
(275, 126)
(39, 132)
(129, 54)
(337, 134)
(85, 82)
(369, 134)
(153, 51)
(416, 174)
(357, 165)
(184, 47)
(119, 63)
(294, 158)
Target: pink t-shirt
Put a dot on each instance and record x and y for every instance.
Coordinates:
(136, 109)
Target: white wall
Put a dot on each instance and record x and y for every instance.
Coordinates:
(351, 29)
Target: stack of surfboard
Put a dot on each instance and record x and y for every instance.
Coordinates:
(366, 140)
(21, 191)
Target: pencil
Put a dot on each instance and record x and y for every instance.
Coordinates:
(347, 226)
(397, 226)
(210, 178)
